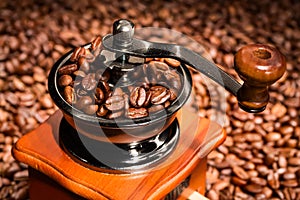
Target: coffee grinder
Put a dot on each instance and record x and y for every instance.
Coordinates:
(74, 155)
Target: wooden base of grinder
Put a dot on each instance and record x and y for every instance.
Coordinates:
(55, 175)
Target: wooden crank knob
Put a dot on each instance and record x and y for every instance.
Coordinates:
(259, 66)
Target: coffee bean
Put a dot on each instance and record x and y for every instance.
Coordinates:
(173, 79)
(282, 161)
(69, 94)
(249, 126)
(102, 111)
(21, 193)
(240, 172)
(287, 194)
(65, 80)
(28, 80)
(268, 126)
(159, 65)
(5, 191)
(27, 99)
(118, 91)
(212, 194)
(21, 175)
(249, 165)
(172, 62)
(39, 77)
(290, 183)
(220, 185)
(273, 180)
(294, 161)
(77, 53)
(273, 136)
(156, 108)
(286, 130)
(99, 96)
(105, 87)
(115, 102)
(252, 188)
(159, 95)
(83, 64)
(240, 194)
(238, 181)
(18, 84)
(151, 72)
(262, 170)
(289, 175)
(135, 113)
(89, 57)
(292, 102)
(267, 192)
(90, 109)
(253, 137)
(12, 98)
(46, 101)
(14, 170)
(89, 82)
(95, 44)
(278, 110)
(115, 114)
(20, 120)
(173, 95)
(167, 104)
(80, 92)
(148, 98)
(67, 69)
(260, 196)
(41, 116)
(258, 181)
(138, 97)
(83, 102)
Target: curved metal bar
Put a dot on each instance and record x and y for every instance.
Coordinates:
(141, 48)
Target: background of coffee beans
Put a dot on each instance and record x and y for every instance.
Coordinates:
(260, 158)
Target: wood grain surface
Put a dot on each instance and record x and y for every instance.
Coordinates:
(40, 150)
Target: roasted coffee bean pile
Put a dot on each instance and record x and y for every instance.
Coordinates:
(260, 158)
(92, 86)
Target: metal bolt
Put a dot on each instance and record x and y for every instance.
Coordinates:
(123, 31)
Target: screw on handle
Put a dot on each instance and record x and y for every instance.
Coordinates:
(123, 31)
(259, 66)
